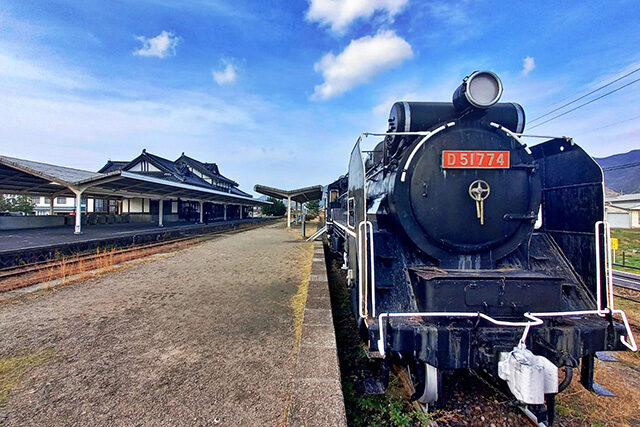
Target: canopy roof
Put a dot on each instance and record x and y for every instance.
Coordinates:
(300, 195)
(19, 176)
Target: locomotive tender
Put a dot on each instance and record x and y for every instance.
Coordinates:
(466, 249)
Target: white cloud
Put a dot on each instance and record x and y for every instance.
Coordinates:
(160, 46)
(359, 62)
(225, 76)
(528, 64)
(49, 120)
(44, 72)
(339, 14)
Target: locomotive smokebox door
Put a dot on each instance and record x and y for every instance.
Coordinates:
(473, 193)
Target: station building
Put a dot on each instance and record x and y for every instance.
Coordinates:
(623, 211)
(148, 188)
(183, 170)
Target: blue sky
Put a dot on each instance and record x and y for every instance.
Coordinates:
(276, 92)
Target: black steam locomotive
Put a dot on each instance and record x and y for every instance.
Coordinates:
(466, 249)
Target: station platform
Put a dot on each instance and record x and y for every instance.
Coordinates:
(209, 335)
(34, 245)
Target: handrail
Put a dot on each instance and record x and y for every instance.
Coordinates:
(535, 318)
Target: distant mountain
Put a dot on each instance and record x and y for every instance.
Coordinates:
(624, 180)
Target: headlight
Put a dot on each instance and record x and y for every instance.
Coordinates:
(481, 89)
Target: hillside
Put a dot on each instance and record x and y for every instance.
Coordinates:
(626, 180)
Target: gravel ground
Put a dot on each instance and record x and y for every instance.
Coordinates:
(199, 338)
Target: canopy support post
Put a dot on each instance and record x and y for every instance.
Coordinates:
(303, 220)
(160, 212)
(240, 208)
(201, 211)
(289, 212)
(225, 211)
(78, 193)
(51, 199)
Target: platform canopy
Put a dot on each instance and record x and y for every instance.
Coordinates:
(19, 176)
(300, 195)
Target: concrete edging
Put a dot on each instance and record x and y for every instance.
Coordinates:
(316, 397)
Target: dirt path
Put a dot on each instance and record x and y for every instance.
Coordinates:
(203, 337)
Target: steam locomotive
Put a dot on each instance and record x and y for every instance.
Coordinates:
(466, 249)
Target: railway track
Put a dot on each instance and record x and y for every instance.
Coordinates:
(627, 281)
(20, 276)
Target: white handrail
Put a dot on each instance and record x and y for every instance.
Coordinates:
(598, 278)
(610, 269)
(361, 311)
(535, 318)
(373, 269)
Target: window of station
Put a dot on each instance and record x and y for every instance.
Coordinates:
(61, 200)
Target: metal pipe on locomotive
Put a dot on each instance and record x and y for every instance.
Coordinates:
(466, 249)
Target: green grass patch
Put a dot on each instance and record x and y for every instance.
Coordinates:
(388, 409)
(628, 241)
(13, 368)
(565, 409)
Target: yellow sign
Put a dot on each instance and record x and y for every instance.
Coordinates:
(614, 243)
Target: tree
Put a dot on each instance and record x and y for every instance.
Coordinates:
(276, 208)
(5, 203)
(16, 203)
(313, 207)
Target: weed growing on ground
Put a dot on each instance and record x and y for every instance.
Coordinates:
(388, 409)
(299, 300)
(13, 368)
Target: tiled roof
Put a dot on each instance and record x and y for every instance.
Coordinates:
(178, 172)
(111, 166)
(208, 168)
(53, 172)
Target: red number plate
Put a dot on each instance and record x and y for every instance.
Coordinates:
(459, 159)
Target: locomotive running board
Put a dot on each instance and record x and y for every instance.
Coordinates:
(317, 234)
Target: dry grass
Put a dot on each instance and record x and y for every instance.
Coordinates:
(92, 274)
(577, 406)
(632, 309)
(299, 300)
(13, 368)
(75, 265)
